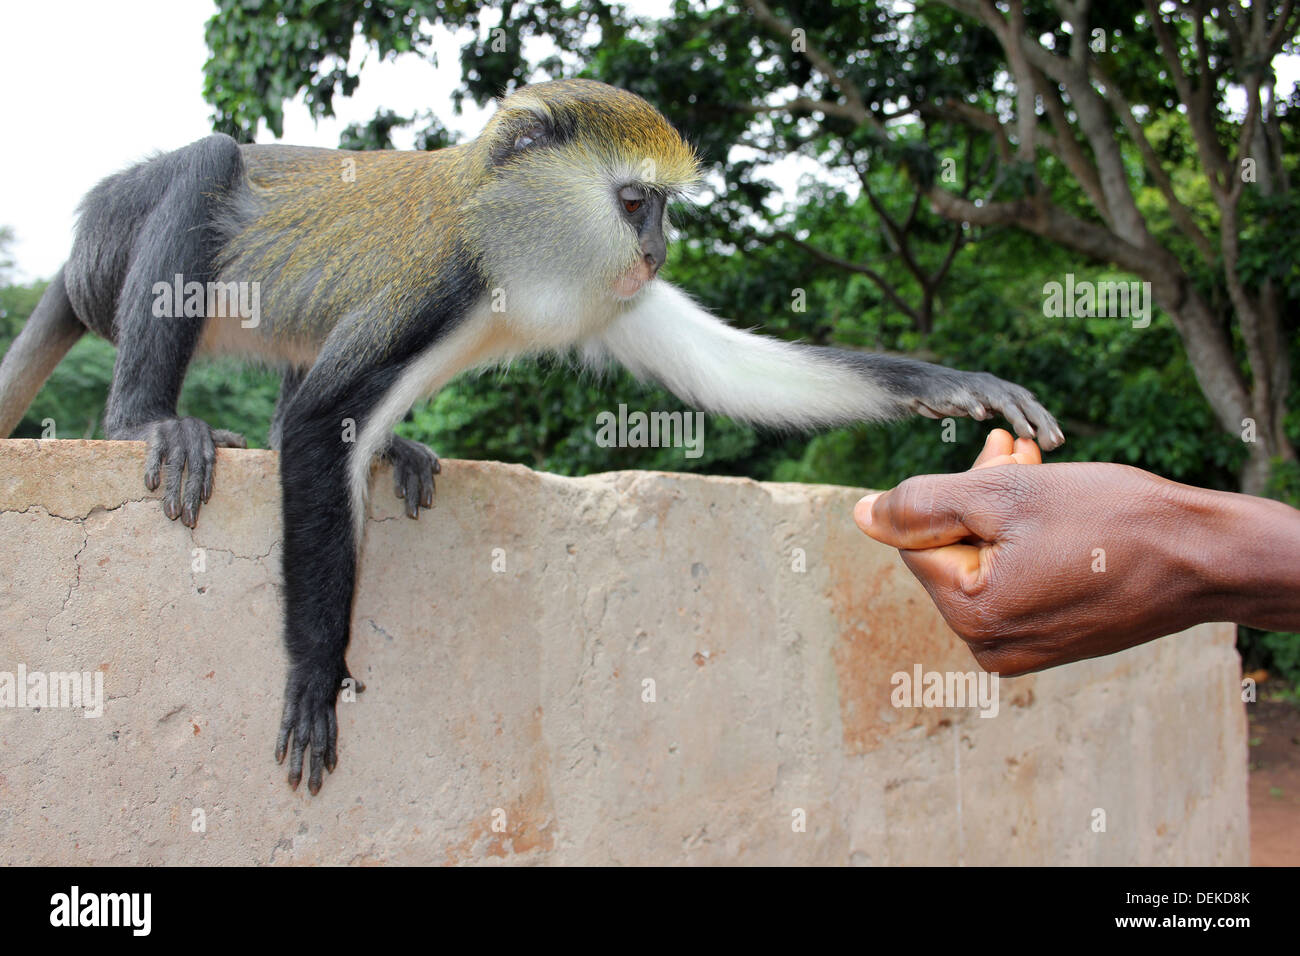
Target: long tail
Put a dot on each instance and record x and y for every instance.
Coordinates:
(52, 329)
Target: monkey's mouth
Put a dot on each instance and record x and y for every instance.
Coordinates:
(631, 282)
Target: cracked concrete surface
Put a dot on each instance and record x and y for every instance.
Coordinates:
(506, 640)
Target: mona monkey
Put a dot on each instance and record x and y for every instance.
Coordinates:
(382, 275)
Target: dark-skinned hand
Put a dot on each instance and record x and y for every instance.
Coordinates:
(1037, 565)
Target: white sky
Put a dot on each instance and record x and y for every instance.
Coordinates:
(106, 84)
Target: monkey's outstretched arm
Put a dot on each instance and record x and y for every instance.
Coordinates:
(665, 336)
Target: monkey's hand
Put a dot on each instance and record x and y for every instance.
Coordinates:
(414, 466)
(310, 699)
(979, 395)
(185, 449)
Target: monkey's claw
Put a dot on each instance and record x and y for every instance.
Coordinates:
(181, 455)
(310, 718)
(414, 466)
(979, 395)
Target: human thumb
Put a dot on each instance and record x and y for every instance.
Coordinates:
(922, 512)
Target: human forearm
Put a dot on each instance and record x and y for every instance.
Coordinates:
(1247, 561)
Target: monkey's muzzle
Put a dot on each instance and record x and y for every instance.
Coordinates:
(630, 283)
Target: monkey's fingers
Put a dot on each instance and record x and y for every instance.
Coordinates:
(198, 480)
(172, 452)
(1045, 431)
(153, 461)
(288, 723)
(287, 720)
(1026, 415)
(199, 455)
(979, 394)
(414, 466)
(309, 720)
(295, 735)
(1019, 423)
(180, 457)
(332, 742)
(320, 747)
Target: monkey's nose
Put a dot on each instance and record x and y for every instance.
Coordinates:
(654, 251)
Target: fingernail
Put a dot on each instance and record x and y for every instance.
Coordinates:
(862, 510)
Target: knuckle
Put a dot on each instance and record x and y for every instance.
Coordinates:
(899, 504)
(1004, 660)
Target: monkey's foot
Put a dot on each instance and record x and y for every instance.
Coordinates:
(979, 395)
(309, 717)
(181, 454)
(414, 466)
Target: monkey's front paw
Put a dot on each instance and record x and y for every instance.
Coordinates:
(979, 395)
(414, 466)
(309, 718)
(180, 457)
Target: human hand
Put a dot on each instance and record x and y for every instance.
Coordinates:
(1037, 565)
(1001, 449)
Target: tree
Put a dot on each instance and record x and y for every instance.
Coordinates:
(1079, 93)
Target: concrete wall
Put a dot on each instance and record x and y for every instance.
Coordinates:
(516, 695)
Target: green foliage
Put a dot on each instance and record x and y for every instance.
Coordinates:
(378, 132)
(6, 256)
(73, 398)
(1276, 651)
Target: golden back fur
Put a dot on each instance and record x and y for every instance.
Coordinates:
(336, 237)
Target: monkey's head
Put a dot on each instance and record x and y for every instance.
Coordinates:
(577, 175)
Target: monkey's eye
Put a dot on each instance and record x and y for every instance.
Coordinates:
(529, 137)
(535, 135)
(631, 198)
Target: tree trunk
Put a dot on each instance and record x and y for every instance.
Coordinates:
(1215, 365)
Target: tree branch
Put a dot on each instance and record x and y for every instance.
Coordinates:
(1181, 215)
(855, 103)
(849, 266)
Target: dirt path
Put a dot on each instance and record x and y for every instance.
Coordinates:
(1274, 783)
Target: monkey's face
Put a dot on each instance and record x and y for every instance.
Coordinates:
(570, 215)
(643, 210)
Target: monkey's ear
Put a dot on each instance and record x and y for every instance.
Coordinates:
(528, 132)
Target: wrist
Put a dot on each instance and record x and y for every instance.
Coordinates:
(1244, 554)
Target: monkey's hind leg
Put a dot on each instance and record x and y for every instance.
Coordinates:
(177, 237)
(52, 329)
